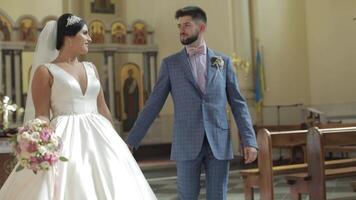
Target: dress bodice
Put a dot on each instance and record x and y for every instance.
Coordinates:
(67, 96)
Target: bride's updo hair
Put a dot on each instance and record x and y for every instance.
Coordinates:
(67, 25)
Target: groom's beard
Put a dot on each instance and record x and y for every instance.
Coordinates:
(190, 39)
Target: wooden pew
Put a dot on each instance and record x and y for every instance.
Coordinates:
(6, 166)
(313, 182)
(262, 177)
(7, 160)
(284, 142)
(353, 185)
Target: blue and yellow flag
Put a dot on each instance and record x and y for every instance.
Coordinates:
(259, 82)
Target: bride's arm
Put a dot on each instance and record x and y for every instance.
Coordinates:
(41, 92)
(102, 107)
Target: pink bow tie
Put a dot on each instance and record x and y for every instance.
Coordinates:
(200, 50)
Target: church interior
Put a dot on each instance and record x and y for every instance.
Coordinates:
(295, 61)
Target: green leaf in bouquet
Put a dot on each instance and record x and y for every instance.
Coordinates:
(19, 168)
(64, 159)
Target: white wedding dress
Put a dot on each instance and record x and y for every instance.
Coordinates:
(100, 165)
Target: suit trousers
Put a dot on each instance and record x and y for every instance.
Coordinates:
(216, 175)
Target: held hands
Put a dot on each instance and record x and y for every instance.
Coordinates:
(250, 154)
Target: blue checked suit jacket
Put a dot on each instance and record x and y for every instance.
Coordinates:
(197, 113)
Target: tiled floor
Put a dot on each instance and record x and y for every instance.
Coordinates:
(163, 182)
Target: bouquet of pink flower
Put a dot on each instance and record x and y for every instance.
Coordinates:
(36, 147)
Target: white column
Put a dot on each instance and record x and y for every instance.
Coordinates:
(152, 70)
(110, 70)
(147, 81)
(18, 78)
(8, 77)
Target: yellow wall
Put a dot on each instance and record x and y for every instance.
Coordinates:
(26, 63)
(37, 8)
(281, 29)
(332, 50)
(161, 18)
(309, 50)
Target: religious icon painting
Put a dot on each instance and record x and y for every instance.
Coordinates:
(139, 33)
(97, 31)
(130, 77)
(118, 32)
(27, 30)
(5, 29)
(102, 6)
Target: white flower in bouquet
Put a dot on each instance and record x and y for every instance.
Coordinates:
(35, 136)
(51, 147)
(45, 165)
(54, 142)
(44, 150)
(24, 135)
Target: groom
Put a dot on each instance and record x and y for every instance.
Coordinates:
(201, 82)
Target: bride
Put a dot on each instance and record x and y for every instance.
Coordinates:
(67, 94)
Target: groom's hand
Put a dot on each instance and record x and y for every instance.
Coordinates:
(250, 154)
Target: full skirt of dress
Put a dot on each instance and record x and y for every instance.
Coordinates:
(100, 166)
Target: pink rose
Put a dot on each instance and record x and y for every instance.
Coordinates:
(50, 158)
(32, 147)
(45, 134)
(33, 160)
(24, 145)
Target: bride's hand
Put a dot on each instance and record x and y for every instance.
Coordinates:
(45, 119)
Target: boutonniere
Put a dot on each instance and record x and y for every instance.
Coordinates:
(217, 62)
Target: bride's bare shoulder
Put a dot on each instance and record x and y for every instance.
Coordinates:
(42, 72)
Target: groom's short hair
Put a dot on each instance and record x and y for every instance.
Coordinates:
(194, 11)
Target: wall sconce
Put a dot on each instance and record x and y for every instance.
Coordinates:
(241, 63)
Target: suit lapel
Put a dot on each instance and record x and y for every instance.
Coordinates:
(188, 70)
(211, 70)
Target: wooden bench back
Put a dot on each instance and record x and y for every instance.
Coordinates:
(317, 139)
(266, 141)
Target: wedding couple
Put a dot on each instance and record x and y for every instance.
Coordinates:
(67, 94)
